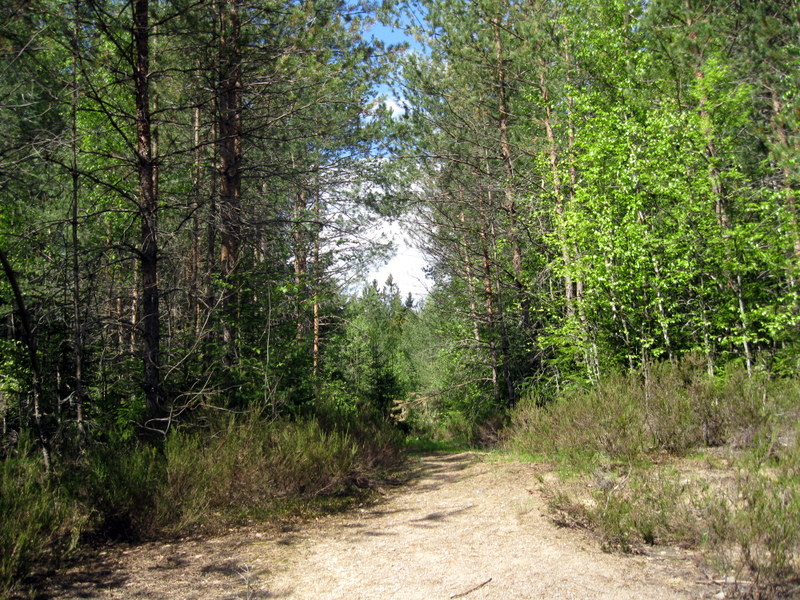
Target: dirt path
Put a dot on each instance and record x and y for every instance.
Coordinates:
(466, 526)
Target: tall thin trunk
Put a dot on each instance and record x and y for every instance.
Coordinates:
(489, 299)
(723, 221)
(317, 285)
(721, 208)
(29, 340)
(498, 330)
(194, 263)
(300, 259)
(135, 310)
(504, 117)
(77, 332)
(662, 313)
(663, 321)
(748, 355)
(230, 155)
(707, 345)
(148, 211)
(211, 217)
(473, 310)
(618, 317)
(552, 154)
(564, 193)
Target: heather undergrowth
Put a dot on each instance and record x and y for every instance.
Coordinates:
(39, 522)
(200, 479)
(673, 456)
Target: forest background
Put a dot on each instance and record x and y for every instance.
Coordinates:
(606, 192)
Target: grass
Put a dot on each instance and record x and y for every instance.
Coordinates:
(238, 472)
(39, 522)
(672, 456)
(422, 444)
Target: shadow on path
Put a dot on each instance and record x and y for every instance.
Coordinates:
(93, 580)
(110, 575)
(439, 469)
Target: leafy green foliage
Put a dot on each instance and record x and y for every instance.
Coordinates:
(623, 210)
(607, 192)
(372, 361)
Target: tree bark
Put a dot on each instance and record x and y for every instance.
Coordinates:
(148, 211)
(552, 154)
(505, 151)
(230, 156)
(317, 286)
(300, 261)
(77, 331)
(36, 371)
(490, 303)
(194, 263)
(473, 314)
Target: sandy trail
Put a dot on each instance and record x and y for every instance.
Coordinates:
(465, 526)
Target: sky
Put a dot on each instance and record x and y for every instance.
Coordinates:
(407, 265)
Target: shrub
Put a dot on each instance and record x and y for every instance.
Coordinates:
(664, 408)
(238, 472)
(306, 461)
(38, 522)
(603, 421)
(647, 507)
(120, 483)
(749, 518)
(757, 528)
(199, 478)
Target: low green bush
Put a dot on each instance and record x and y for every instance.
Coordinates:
(306, 461)
(748, 519)
(603, 421)
(663, 408)
(200, 478)
(647, 507)
(120, 484)
(240, 471)
(756, 529)
(39, 523)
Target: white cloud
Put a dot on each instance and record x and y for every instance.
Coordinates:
(395, 107)
(407, 265)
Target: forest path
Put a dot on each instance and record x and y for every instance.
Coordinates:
(466, 525)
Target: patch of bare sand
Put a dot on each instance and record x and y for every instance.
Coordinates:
(465, 526)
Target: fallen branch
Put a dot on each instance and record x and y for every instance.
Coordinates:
(725, 581)
(469, 591)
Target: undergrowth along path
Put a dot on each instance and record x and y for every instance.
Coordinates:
(466, 525)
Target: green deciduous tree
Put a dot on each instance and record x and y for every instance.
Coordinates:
(608, 184)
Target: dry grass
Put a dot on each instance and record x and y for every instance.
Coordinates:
(677, 458)
(201, 480)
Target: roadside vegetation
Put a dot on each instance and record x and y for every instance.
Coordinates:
(671, 456)
(236, 471)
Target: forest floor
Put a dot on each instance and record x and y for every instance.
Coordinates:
(466, 525)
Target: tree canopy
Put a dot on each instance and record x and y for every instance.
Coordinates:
(187, 191)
